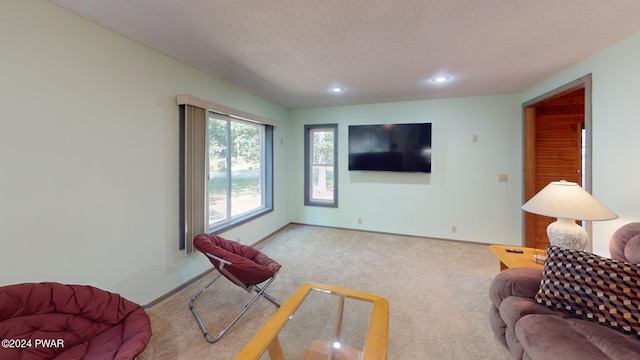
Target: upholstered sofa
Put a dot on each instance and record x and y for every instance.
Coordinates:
(580, 306)
(57, 321)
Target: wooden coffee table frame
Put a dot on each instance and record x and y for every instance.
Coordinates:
(376, 343)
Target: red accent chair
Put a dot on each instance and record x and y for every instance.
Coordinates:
(56, 321)
(243, 265)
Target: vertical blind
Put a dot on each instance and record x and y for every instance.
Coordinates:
(193, 144)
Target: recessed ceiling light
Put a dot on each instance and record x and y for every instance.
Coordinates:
(440, 79)
(337, 89)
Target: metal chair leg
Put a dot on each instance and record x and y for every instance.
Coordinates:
(195, 312)
(266, 295)
(260, 291)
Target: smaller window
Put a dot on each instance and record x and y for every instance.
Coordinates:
(321, 165)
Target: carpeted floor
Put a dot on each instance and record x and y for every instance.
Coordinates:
(437, 292)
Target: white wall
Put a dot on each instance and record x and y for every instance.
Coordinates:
(89, 155)
(463, 188)
(616, 125)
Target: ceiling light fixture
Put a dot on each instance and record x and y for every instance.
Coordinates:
(337, 90)
(440, 79)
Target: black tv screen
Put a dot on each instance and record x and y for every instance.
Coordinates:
(390, 147)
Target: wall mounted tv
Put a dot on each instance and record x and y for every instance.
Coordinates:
(390, 147)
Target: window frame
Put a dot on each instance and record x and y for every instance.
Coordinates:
(308, 166)
(266, 179)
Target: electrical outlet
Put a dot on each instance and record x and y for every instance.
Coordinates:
(359, 220)
(475, 138)
(454, 229)
(503, 178)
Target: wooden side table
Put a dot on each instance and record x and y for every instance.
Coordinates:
(512, 260)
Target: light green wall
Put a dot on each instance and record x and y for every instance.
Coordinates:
(616, 125)
(90, 170)
(89, 160)
(463, 188)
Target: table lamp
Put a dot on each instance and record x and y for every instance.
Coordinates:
(568, 202)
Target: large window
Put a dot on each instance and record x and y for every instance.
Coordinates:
(239, 184)
(226, 167)
(321, 170)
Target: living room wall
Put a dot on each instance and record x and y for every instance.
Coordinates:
(616, 125)
(89, 134)
(90, 169)
(462, 189)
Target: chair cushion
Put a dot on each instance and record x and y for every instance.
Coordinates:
(248, 264)
(593, 288)
(77, 321)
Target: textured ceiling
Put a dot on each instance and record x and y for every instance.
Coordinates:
(293, 51)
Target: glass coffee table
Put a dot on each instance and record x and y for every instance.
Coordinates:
(324, 322)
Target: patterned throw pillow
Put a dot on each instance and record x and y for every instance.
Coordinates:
(592, 287)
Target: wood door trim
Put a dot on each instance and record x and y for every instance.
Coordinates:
(529, 172)
(528, 118)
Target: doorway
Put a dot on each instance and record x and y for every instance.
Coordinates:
(557, 146)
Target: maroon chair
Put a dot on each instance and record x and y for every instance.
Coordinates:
(57, 321)
(243, 265)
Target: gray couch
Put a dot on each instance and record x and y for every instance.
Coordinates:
(535, 331)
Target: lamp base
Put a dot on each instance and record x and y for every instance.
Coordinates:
(567, 234)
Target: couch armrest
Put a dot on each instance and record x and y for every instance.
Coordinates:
(625, 243)
(523, 282)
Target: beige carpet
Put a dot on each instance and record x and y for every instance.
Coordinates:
(437, 292)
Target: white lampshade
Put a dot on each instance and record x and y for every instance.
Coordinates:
(563, 199)
(568, 202)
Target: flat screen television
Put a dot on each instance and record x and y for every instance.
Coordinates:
(390, 147)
